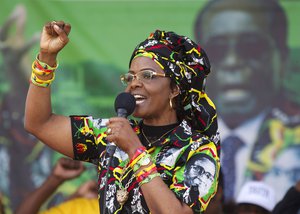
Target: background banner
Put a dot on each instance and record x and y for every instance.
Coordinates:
(265, 111)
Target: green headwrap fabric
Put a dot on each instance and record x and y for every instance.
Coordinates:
(187, 64)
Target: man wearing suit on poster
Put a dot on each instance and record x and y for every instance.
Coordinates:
(248, 56)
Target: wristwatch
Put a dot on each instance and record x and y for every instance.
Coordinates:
(144, 161)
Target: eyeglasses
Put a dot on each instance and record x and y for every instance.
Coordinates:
(202, 171)
(144, 76)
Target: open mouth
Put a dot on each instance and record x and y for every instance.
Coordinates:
(235, 94)
(139, 98)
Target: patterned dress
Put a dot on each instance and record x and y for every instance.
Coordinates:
(188, 163)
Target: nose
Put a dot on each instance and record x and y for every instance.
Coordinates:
(231, 58)
(135, 82)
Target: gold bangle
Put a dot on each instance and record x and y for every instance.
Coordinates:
(38, 80)
(40, 72)
(45, 65)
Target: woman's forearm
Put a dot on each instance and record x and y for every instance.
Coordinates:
(160, 199)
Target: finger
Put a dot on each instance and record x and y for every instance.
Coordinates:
(116, 119)
(111, 138)
(113, 129)
(67, 28)
(75, 165)
(61, 24)
(62, 35)
(109, 131)
(48, 28)
(71, 164)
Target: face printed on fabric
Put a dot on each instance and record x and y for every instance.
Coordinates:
(168, 157)
(245, 62)
(285, 171)
(152, 97)
(201, 174)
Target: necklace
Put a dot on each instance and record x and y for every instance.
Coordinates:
(155, 141)
(122, 193)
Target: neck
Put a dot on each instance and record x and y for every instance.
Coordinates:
(154, 134)
(162, 121)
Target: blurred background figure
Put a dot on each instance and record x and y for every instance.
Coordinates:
(2, 211)
(290, 203)
(255, 197)
(84, 200)
(250, 59)
(17, 147)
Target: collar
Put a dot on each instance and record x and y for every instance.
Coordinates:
(247, 131)
(179, 137)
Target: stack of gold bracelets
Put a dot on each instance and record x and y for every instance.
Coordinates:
(42, 69)
(143, 158)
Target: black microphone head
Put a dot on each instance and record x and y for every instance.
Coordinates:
(125, 101)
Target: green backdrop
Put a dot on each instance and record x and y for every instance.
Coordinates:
(103, 35)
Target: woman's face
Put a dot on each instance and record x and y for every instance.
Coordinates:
(152, 96)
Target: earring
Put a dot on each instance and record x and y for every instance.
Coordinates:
(170, 102)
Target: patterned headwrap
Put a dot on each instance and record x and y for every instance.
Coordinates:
(187, 65)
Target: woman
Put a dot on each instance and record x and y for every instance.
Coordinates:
(166, 77)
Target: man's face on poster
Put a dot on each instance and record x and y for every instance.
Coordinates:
(245, 62)
(201, 174)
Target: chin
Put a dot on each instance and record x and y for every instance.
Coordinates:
(137, 114)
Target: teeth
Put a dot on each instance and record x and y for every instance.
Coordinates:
(137, 96)
(139, 102)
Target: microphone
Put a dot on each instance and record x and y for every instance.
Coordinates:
(124, 106)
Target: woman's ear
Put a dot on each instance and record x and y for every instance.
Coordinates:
(175, 91)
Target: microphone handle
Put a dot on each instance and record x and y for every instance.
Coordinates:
(111, 148)
(122, 112)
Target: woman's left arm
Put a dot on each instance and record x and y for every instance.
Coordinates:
(160, 199)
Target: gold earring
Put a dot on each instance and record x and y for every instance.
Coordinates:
(170, 102)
